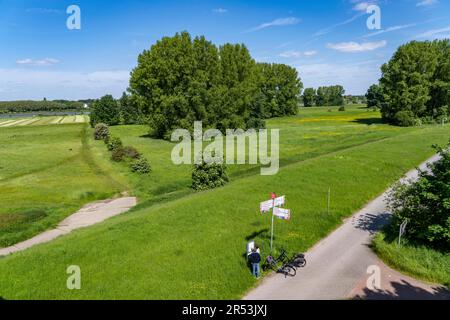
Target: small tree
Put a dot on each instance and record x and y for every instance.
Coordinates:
(209, 176)
(426, 204)
(374, 97)
(105, 110)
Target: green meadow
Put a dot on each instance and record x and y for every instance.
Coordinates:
(177, 244)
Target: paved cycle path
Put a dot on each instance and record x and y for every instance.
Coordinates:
(90, 214)
(337, 266)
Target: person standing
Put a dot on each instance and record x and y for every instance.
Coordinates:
(255, 260)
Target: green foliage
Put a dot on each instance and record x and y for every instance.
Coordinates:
(114, 143)
(426, 204)
(209, 176)
(309, 97)
(122, 153)
(374, 97)
(280, 87)
(417, 80)
(105, 110)
(129, 111)
(404, 118)
(101, 132)
(180, 80)
(44, 105)
(341, 109)
(140, 165)
(330, 96)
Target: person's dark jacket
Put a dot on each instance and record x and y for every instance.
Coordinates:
(254, 257)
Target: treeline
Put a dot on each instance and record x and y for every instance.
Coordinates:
(415, 84)
(180, 80)
(44, 105)
(324, 96)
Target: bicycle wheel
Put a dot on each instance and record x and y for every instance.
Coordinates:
(300, 262)
(289, 270)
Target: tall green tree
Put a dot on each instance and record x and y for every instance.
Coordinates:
(309, 97)
(415, 82)
(374, 96)
(105, 110)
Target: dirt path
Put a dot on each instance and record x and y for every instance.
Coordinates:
(90, 214)
(338, 265)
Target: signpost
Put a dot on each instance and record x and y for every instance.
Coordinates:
(280, 213)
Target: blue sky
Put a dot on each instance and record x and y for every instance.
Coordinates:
(327, 41)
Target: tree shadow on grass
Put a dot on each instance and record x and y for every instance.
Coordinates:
(263, 233)
(405, 291)
(369, 121)
(372, 222)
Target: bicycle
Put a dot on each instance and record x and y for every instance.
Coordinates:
(298, 260)
(286, 268)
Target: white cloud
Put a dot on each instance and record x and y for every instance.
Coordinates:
(277, 23)
(18, 84)
(426, 3)
(310, 53)
(220, 10)
(343, 23)
(297, 54)
(390, 29)
(436, 33)
(355, 77)
(352, 47)
(362, 6)
(40, 63)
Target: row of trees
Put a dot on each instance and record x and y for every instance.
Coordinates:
(415, 84)
(324, 96)
(112, 112)
(43, 105)
(180, 80)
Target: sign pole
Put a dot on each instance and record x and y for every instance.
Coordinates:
(271, 234)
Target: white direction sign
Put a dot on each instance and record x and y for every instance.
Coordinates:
(284, 214)
(266, 206)
(280, 201)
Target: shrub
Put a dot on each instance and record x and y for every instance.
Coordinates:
(114, 143)
(426, 204)
(405, 119)
(342, 109)
(140, 165)
(121, 153)
(209, 176)
(118, 154)
(131, 152)
(101, 131)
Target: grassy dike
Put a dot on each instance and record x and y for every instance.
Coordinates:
(193, 247)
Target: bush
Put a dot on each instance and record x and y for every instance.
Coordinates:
(209, 176)
(426, 205)
(101, 131)
(140, 165)
(114, 143)
(121, 153)
(341, 109)
(405, 119)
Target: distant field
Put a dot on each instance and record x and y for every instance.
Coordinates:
(46, 173)
(178, 244)
(47, 120)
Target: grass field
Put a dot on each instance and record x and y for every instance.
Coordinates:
(39, 121)
(46, 173)
(182, 245)
(417, 261)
